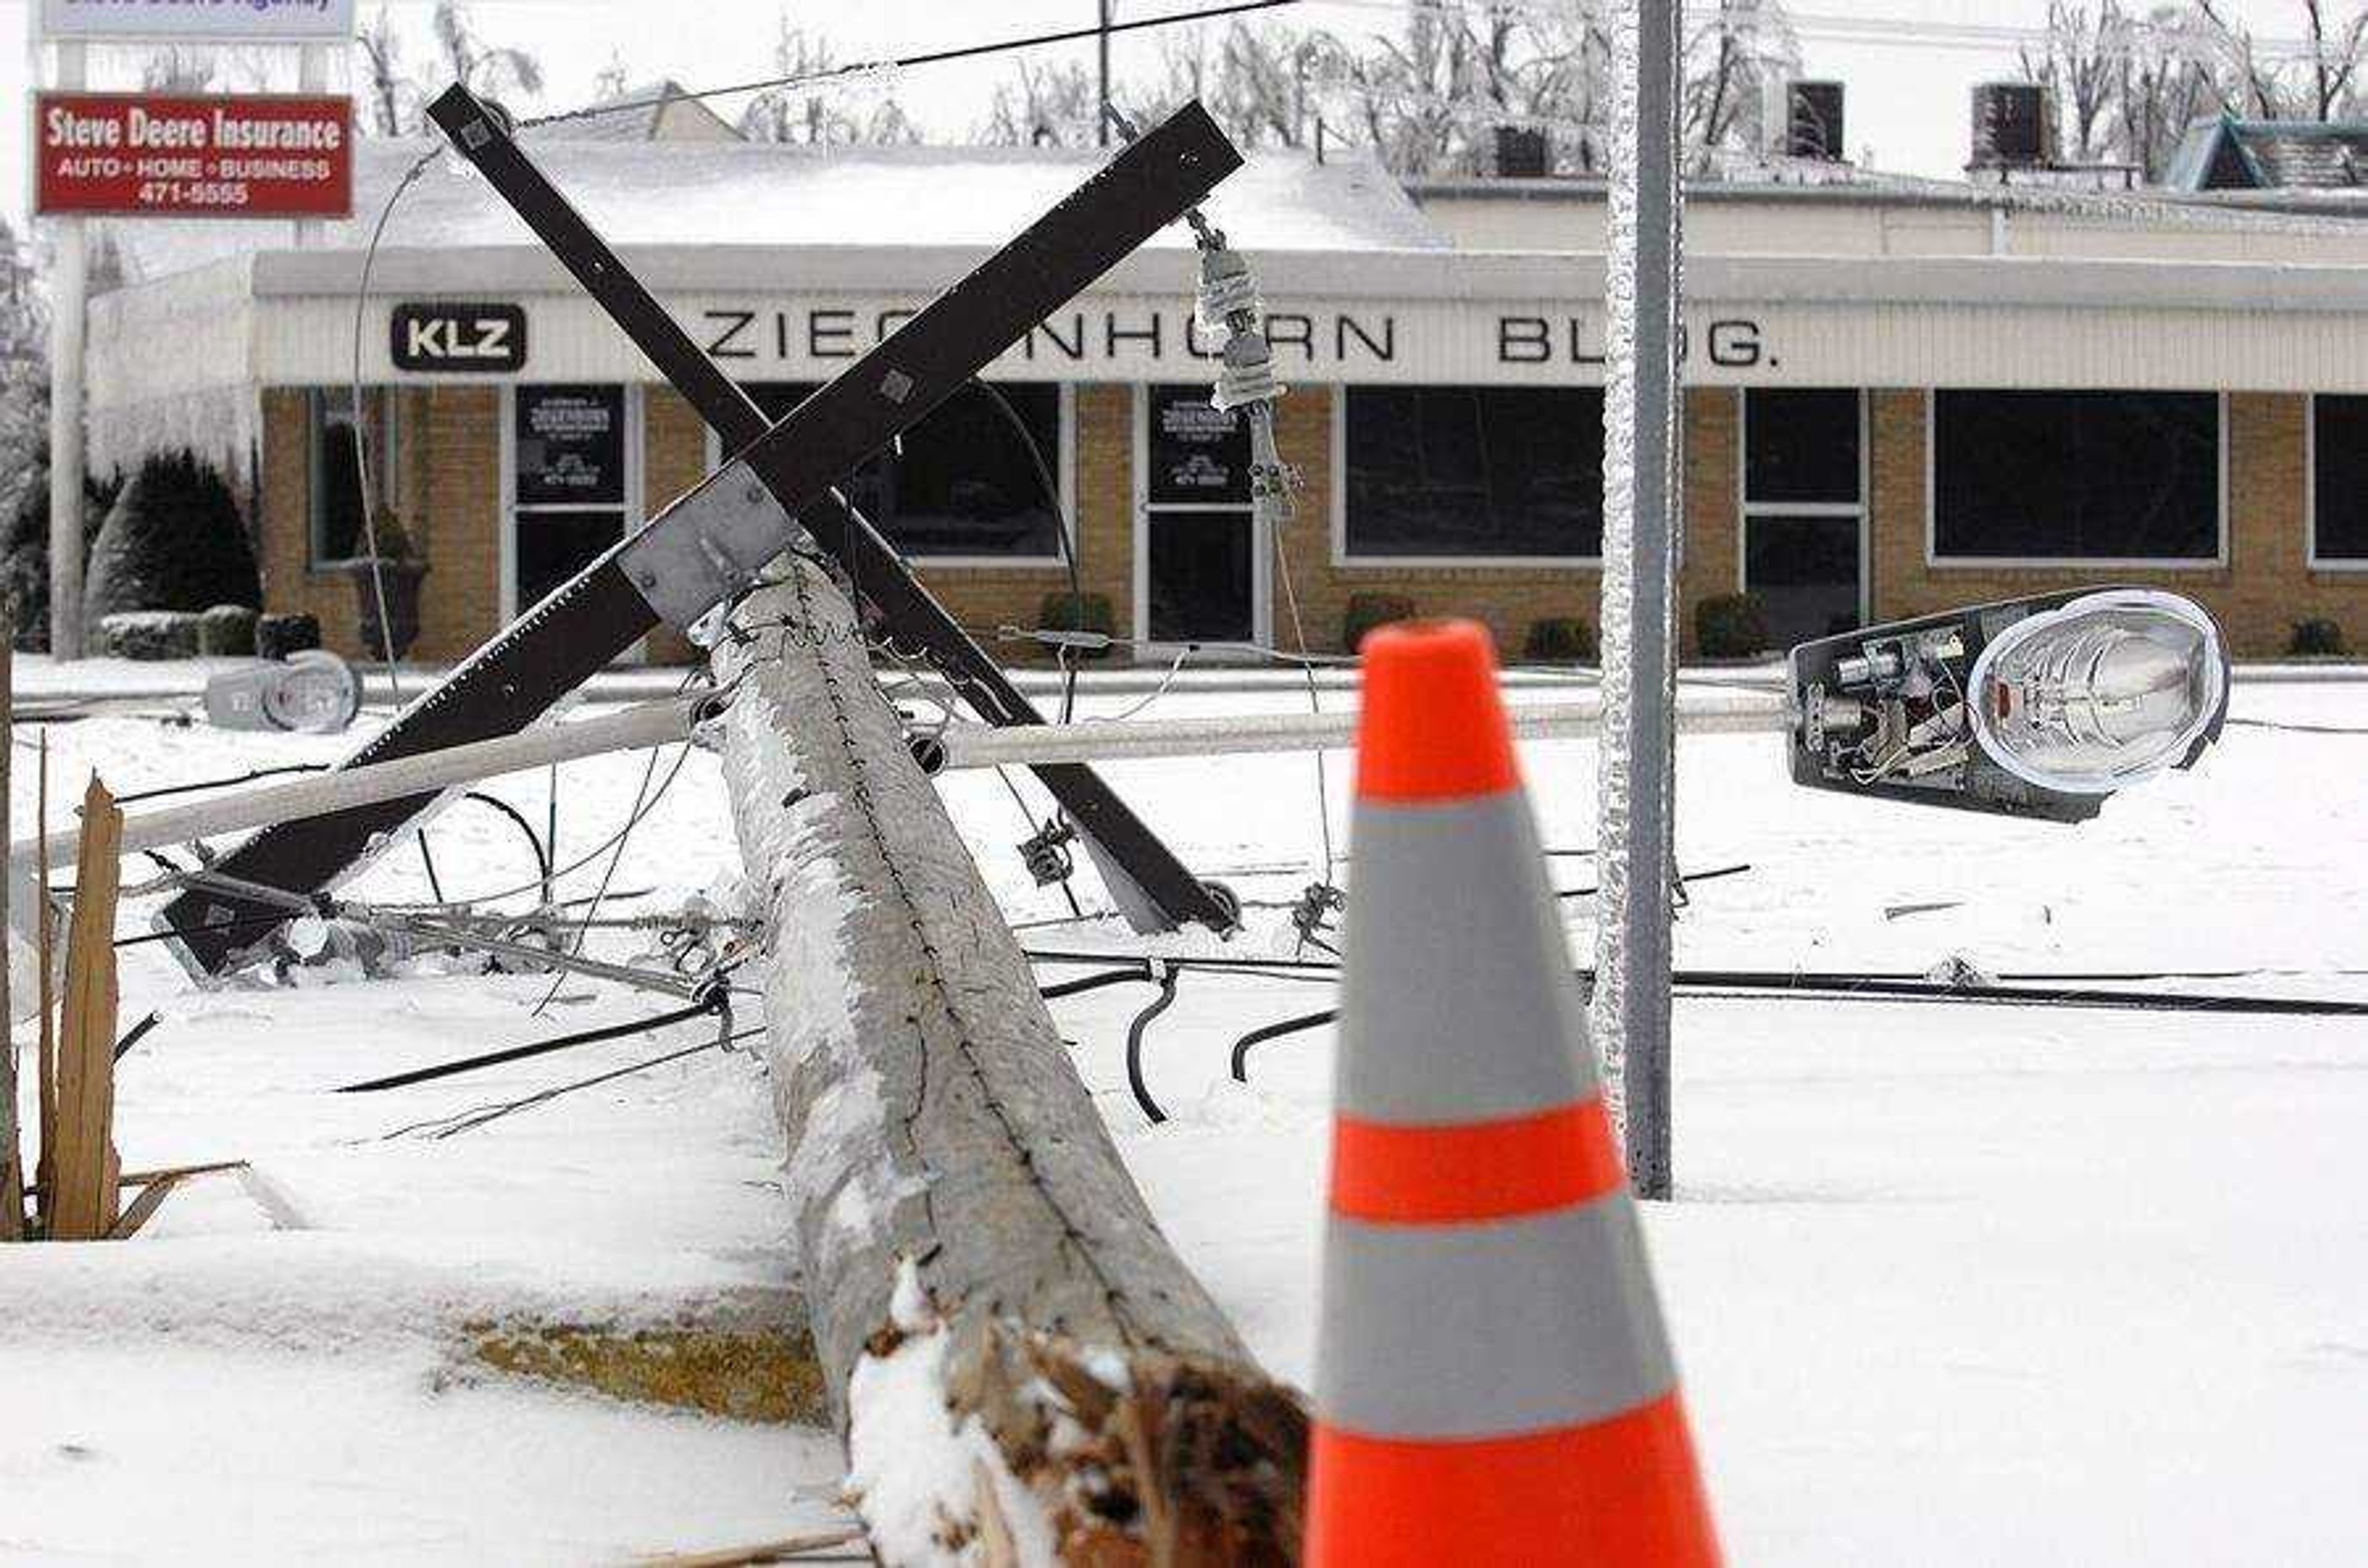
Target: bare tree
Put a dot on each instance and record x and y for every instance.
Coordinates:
(2335, 63)
(394, 100)
(1736, 67)
(1044, 105)
(821, 115)
(487, 69)
(2081, 65)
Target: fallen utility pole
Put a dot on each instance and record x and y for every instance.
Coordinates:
(687, 570)
(1250, 734)
(428, 774)
(961, 1210)
(709, 543)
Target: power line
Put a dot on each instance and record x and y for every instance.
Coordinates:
(856, 70)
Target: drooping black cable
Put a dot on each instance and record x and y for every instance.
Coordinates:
(705, 1006)
(542, 852)
(1168, 977)
(249, 778)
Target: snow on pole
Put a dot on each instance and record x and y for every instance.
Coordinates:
(1013, 1352)
(68, 286)
(1639, 610)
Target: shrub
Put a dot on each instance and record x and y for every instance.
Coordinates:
(1065, 611)
(227, 631)
(174, 540)
(277, 636)
(1732, 626)
(1560, 640)
(2316, 638)
(147, 635)
(1367, 611)
(25, 551)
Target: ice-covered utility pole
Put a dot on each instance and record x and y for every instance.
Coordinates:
(1641, 531)
(1011, 1347)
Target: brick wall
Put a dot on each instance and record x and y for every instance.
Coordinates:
(2264, 589)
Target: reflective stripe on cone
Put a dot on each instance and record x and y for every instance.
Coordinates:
(1493, 1383)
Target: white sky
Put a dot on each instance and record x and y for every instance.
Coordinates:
(1908, 93)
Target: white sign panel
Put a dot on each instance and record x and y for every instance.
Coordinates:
(236, 21)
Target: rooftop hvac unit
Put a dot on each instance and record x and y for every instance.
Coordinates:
(1522, 153)
(1812, 121)
(2012, 126)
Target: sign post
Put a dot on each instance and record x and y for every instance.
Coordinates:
(69, 283)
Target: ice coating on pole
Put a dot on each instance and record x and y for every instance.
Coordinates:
(1625, 683)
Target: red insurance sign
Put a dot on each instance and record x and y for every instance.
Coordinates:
(140, 153)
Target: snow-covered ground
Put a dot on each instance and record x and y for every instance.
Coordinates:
(1951, 1284)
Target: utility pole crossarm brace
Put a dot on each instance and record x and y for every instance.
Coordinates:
(559, 643)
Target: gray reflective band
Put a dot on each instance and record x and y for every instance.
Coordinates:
(1472, 1331)
(1460, 1004)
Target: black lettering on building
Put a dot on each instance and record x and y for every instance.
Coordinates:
(1523, 340)
(1580, 354)
(830, 335)
(1345, 327)
(1293, 332)
(726, 343)
(1192, 344)
(889, 321)
(1113, 335)
(1072, 347)
(1735, 343)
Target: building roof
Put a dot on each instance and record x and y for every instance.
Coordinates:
(661, 110)
(751, 194)
(2228, 153)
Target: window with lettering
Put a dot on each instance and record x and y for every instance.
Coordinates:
(568, 498)
(2076, 476)
(964, 482)
(1474, 471)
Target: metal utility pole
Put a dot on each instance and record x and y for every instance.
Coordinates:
(1101, 47)
(69, 282)
(1641, 528)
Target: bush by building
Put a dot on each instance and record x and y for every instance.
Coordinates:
(1731, 626)
(277, 636)
(227, 631)
(173, 540)
(1065, 611)
(1561, 640)
(147, 635)
(1367, 611)
(2316, 638)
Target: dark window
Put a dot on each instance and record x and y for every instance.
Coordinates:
(2076, 476)
(332, 470)
(1474, 471)
(963, 481)
(2339, 479)
(1801, 445)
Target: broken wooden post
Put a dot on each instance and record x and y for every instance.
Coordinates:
(1083, 1392)
(45, 1063)
(83, 1196)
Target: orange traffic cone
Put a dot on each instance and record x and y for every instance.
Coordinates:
(1492, 1383)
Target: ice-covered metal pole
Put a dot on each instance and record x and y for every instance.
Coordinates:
(1639, 611)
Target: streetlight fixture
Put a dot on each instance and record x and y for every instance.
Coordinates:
(2041, 706)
